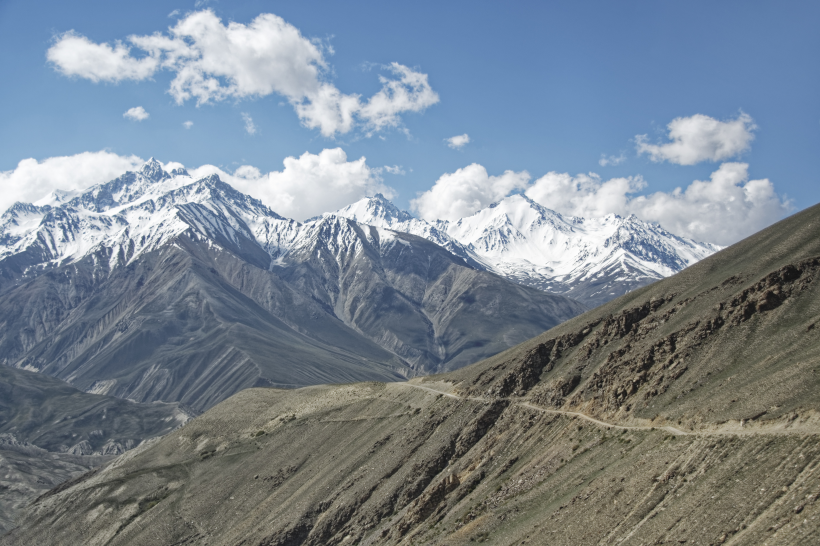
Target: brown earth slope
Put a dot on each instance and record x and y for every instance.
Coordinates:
(684, 412)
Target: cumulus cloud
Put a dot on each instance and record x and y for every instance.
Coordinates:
(213, 62)
(33, 180)
(724, 209)
(137, 113)
(250, 128)
(606, 161)
(411, 92)
(76, 55)
(308, 185)
(459, 141)
(465, 191)
(188, 124)
(173, 13)
(701, 138)
(395, 169)
(585, 194)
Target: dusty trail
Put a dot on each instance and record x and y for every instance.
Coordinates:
(579, 415)
(529, 405)
(673, 430)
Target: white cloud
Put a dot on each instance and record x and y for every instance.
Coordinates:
(173, 13)
(188, 124)
(250, 128)
(137, 113)
(585, 194)
(458, 142)
(606, 161)
(308, 185)
(411, 92)
(395, 169)
(76, 55)
(722, 210)
(465, 191)
(248, 172)
(214, 62)
(701, 138)
(33, 180)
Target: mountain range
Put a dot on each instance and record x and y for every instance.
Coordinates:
(159, 286)
(592, 260)
(683, 412)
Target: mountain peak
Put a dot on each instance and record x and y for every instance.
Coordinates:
(57, 198)
(153, 169)
(377, 211)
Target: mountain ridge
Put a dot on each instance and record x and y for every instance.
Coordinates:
(592, 260)
(148, 267)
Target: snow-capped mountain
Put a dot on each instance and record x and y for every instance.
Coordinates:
(160, 286)
(381, 212)
(133, 214)
(593, 260)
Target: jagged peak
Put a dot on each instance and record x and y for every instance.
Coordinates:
(153, 169)
(21, 206)
(375, 210)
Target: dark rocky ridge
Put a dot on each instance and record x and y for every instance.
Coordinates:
(508, 451)
(170, 327)
(195, 324)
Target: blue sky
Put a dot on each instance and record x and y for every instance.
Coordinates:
(541, 87)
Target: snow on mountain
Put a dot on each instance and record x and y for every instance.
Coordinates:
(130, 215)
(594, 259)
(380, 212)
(377, 210)
(327, 287)
(142, 211)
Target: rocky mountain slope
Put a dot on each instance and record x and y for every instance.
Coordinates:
(51, 432)
(683, 412)
(157, 286)
(593, 260)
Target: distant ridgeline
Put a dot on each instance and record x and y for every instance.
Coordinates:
(591, 260)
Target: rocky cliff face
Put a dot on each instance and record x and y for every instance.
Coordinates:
(684, 412)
